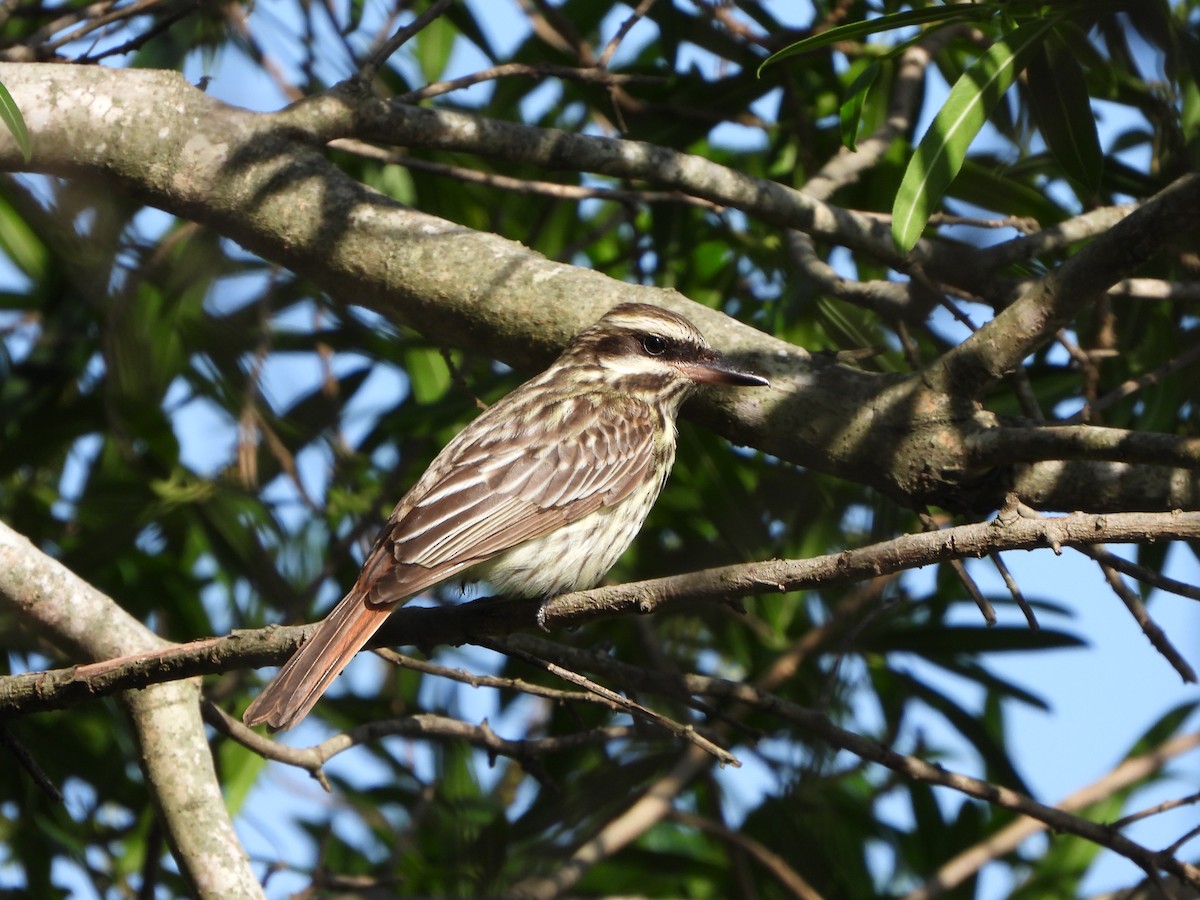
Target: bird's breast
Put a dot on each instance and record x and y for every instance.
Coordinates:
(575, 556)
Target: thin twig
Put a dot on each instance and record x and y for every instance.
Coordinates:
(686, 732)
(160, 25)
(1088, 368)
(610, 48)
(846, 620)
(1187, 836)
(960, 569)
(1133, 385)
(27, 762)
(997, 795)
(1015, 590)
(306, 758)
(343, 35)
(521, 185)
(918, 274)
(1026, 396)
(1009, 838)
(1155, 810)
(1150, 628)
(527, 70)
(643, 813)
(767, 858)
(1143, 574)
(89, 19)
(366, 73)
(422, 725)
(515, 684)
(552, 28)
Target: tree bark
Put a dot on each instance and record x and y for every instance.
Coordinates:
(262, 179)
(175, 757)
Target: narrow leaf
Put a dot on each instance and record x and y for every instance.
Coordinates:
(428, 374)
(10, 114)
(940, 154)
(946, 15)
(851, 110)
(1058, 98)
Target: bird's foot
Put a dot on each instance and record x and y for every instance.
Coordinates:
(541, 614)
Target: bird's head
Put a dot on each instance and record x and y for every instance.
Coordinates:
(645, 349)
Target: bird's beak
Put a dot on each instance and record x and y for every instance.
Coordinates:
(712, 368)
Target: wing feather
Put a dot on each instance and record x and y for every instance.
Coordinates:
(508, 486)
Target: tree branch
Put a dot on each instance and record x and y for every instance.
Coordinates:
(262, 180)
(912, 767)
(1048, 304)
(402, 36)
(528, 752)
(1154, 634)
(1144, 574)
(1015, 444)
(1009, 838)
(769, 860)
(339, 115)
(490, 617)
(73, 615)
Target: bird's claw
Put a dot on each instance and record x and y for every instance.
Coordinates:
(541, 615)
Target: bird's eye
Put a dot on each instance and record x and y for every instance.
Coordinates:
(654, 345)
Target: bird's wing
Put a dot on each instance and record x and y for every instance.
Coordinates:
(502, 487)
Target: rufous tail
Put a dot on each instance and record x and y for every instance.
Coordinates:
(312, 668)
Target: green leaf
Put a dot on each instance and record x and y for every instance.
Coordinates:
(428, 374)
(936, 641)
(1165, 728)
(1010, 190)
(942, 150)
(945, 15)
(851, 109)
(987, 738)
(433, 47)
(23, 246)
(240, 768)
(1058, 98)
(10, 114)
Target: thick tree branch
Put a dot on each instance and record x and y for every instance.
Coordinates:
(263, 180)
(1014, 444)
(1048, 304)
(340, 114)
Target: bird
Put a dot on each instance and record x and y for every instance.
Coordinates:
(538, 496)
